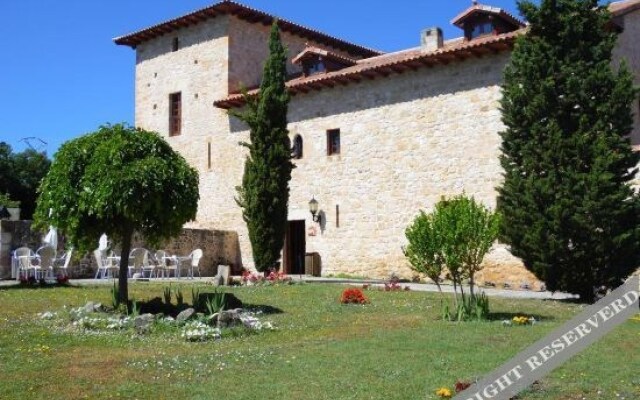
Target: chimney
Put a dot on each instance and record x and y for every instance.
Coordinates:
(431, 39)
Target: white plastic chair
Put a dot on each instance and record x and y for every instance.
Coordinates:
(24, 257)
(195, 257)
(67, 260)
(141, 262)
(44, 269)
(105, 268)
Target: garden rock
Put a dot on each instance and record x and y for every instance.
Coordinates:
(90, 307)
(185, 315)
(143, 322)
(225, 319)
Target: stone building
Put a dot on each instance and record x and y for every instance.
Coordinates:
(377, 136)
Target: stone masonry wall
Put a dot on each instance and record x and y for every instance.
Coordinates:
(248, 48)
(406, 141)
(218, 247)
(14, 234)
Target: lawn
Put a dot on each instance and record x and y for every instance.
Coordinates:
(394, 348)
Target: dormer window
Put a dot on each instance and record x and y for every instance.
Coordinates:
(481, 20)
(314, 67)
(481, 29)
(315, 60)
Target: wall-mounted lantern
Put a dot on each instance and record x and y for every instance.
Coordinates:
(313, 208)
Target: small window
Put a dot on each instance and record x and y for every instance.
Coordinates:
(175, 44)
(208, 155)
(316, 68)
(296, 150)
(175, 114)
(482, 29)
(333, 142)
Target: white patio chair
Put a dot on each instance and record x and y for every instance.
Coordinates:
(141, 263)
(195, 257)
(25, 258)
(105, 268)
(163, 264)
(64, 268)
(44, 268)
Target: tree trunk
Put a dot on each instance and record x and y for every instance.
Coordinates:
(123, 290)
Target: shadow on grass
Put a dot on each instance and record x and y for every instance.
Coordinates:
(39, 287)
(266, 309)
(501, 316)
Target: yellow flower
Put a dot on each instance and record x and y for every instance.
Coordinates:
(444, 392)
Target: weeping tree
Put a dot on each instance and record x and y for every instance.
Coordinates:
(117, 180)
(264, 194)
(569, 211)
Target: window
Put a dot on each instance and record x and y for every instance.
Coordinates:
(481, 29)
(175, 113)
(175, 44)
(208, 155)
(316, 68)
(296, 150)
(333, 142)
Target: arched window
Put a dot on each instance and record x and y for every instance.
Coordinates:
(296, 150)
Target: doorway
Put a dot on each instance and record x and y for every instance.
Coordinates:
(294, 248)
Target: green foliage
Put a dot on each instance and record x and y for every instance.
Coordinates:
(569, 210)
(117, 180)
(455, 236)
(166, 293)
(195, 298)
(20, 176)
(115, 297)
(264, 194)
(215, 302)
(179, 297)
(6, 201)
(472, 308)
(423, 250)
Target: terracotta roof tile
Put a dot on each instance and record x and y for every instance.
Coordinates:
(312, 50)
(246, 13)
(620, 8)
(452, 51)
(459, 19)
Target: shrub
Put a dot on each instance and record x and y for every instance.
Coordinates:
(353, 296)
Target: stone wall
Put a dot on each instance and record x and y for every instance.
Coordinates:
(248, 48)
(218, 247)
(14, 234)
(406, 140)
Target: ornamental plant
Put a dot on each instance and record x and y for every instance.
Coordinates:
(353, 296)
(570, 211)
(117, 180)
(454, 238)
(264, 193)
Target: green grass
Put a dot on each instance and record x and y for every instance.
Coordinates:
(394, 348)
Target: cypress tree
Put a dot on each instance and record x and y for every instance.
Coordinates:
(568, 209)
(264, 194)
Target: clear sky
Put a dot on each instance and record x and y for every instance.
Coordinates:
(61, 75)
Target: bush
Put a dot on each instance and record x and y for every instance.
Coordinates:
(353, 296)
(456, 236)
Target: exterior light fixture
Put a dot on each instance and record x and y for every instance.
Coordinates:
(313, 208)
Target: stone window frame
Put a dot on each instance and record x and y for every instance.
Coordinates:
(333, 142)
(175, 114)
(297, 149)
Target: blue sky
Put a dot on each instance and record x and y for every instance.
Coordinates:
(62, 76)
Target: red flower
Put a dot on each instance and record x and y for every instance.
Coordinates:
(353, 296)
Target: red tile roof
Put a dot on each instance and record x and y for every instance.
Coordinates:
(620, 8)
(249, 14)
(384, 65)
(459, 19)
(312, 50)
